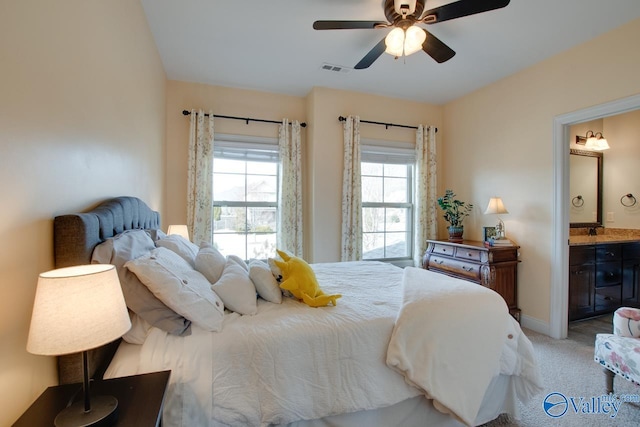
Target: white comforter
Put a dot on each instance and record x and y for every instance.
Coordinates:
(448, 340)
(290, 361)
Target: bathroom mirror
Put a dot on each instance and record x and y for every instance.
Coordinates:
(585, 188)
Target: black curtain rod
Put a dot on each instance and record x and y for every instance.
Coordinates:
(386, 125)
(245, 119)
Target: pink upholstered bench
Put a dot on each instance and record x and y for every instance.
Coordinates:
(619, 353)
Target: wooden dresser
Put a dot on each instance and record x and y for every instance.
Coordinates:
(493, 267)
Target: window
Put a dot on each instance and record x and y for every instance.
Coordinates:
(387, 203)
(245, 198)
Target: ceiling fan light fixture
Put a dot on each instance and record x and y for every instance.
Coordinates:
(404, 43)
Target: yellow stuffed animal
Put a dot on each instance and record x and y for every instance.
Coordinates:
(299, 279)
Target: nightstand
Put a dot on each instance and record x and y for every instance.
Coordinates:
(140, 399)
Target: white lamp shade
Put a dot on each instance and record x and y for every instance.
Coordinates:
(601, 144)
(495, 206)
(77, 309)
(596, 142)
(400, 42)
(180, 230)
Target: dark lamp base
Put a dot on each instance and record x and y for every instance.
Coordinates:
(103, 413)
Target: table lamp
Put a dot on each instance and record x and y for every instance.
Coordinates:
(496, 206)
(180, 230)
(75, 310)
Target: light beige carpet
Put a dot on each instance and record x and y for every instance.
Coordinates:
(567, 368)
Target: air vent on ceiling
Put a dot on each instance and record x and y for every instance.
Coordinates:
(335, 68)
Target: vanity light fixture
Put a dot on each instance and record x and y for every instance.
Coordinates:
(593, 141)
(496, 206)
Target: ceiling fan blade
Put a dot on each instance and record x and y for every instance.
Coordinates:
(347, 25)
(370, 57)
(436, 49)
(462, 8)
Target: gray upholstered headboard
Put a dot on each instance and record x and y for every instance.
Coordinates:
(74, 238)
(75, 235)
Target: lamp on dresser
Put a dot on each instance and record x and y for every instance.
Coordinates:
(496, 206)
(77, 309)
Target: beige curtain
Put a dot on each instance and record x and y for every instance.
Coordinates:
(200, 177)
(425, 222)
(351, 192)
(290, 192)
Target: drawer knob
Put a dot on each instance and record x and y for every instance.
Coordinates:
(465, 268)
(469, 254)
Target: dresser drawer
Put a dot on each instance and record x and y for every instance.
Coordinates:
(611, 252)
(470, 254)
(447, 250)
(608, 274)
(466, 270)
(608, 298)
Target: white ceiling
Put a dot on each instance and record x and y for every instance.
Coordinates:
(271, 45)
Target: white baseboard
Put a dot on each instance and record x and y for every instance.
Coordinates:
(535, 325)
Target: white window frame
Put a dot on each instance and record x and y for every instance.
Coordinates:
(254, 149)
(393, 152)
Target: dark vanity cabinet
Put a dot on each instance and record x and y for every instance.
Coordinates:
(631, 274)
(582, 274)
(602, 278)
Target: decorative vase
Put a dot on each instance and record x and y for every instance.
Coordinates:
(455, 233)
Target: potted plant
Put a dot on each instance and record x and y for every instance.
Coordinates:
(454, 212)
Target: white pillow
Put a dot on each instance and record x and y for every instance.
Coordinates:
(210, 262)
(139, 330)
(181, 246)
(239, 261)
(275, 270)
(236, 289)
(180, 287)
(124, 247)
(266, 285)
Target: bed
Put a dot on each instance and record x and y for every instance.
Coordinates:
(401, 347)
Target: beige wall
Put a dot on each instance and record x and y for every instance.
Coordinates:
(499, 141)
(222, 101)
(325, 141)
(81, 119)
(322, 143)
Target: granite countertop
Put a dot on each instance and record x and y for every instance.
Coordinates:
(602, 239)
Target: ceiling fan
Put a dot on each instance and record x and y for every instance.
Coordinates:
(406, 37)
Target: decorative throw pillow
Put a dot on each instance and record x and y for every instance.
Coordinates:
(178, 244)
(275, 270)
(266, 285)
(156, 234)
(239, 261)
(299, 279)
(180, 287)
(626, 322)
(236, 289)
(127, 246)
(139, 330)
(210, 262)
